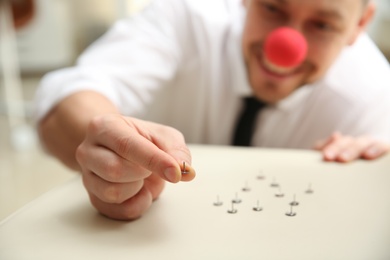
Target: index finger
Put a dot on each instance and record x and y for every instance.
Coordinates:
(131, 141)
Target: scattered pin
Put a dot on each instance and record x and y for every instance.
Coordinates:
(246, 188)
(257, 208)
(309, 189)
(294, 202)
(184, 170)
(218, 202)
(232, 210)
(280, 194)
(260, 176)
(291, 213)
(274, 184)
(236, 199)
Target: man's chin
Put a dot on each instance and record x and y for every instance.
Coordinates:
(271, 92)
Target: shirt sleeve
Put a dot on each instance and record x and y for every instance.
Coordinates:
(359, 86)
(128, 64)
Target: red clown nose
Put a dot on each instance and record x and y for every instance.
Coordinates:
(285, 47)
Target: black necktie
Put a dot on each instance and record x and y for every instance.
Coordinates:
(245, 123)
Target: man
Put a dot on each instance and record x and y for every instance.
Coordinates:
(187, 65)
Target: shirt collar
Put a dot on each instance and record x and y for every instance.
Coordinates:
(295, 99)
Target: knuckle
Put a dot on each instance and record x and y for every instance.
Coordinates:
(95, 124)
(80, 153)
(86, 181)
(183, 149)
(132, 212)
(137, 205)
(153, 161)
(123, 144)
(95, 201)
(113, 169)
(100, 125)
(168, 130)
(112, 194)
(337, 145)
(176, 132)
(347, 139)
(350, 138)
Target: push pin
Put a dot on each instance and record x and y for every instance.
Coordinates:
(274, 184)
(260, 176)
(294, 202)
(184, 170)
(218, 202)
(257, 208)
(291, 213)
(236, 199)
(309, 189)
(232, 210)
(280, 194)
(246, 188)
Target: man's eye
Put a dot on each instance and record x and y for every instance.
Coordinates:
(271, 8)
(323, 26)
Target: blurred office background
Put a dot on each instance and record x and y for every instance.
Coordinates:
(56, 33)
(48, 36)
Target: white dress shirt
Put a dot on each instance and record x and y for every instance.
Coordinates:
(180, 63)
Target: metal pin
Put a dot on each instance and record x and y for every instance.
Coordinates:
(294, 202)
(184, 170)
(218, 202)
(274, 184)
(291, 213)
(246, 188)
(257, 208)
(236, 199)
(280, 194)
(232, 210)
(309, 189)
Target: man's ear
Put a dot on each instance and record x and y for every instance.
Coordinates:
(365, 19)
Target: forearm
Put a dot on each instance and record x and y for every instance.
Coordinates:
(63, 129)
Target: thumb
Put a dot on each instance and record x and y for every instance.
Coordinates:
(182, 155)
(171, 145)
(172, 142)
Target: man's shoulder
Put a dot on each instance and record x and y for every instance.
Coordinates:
(361, 72)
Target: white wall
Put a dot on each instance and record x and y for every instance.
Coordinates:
(47, 40)
(380, 27)
(63, 28)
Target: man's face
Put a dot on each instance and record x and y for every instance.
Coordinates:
(327, 25)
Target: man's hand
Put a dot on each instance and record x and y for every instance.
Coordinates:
(125, 162)
(342, 148)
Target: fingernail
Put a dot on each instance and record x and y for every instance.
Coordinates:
(372, 151)
(330, 155)
(171, 174)
(346, 156)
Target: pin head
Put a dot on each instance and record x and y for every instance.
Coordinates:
(236, 199)
(291, 213)
(232, 210)
(218, 202)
